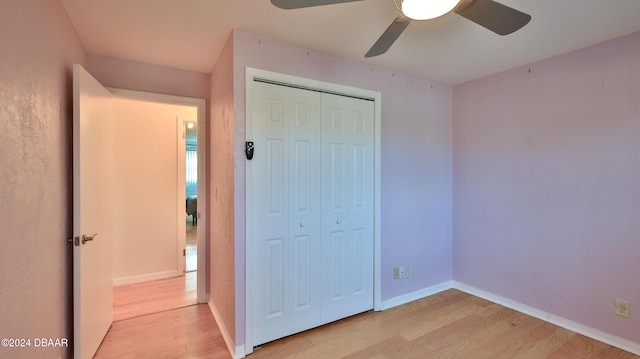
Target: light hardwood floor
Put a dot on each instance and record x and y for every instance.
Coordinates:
(188, 332)
(151, 297)
(451, 324)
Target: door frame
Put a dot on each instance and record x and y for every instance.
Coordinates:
(200, 105)
(321, 86)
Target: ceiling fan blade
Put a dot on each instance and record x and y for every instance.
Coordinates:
(299, 4)
(389, 36)
(494, 16)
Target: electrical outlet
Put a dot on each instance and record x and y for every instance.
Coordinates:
(401, 272)
(621, 308)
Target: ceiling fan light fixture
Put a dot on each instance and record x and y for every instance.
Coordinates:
(427, 9)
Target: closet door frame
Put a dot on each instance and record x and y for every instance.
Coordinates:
(299, 82)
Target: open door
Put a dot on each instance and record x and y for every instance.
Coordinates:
(92, 213)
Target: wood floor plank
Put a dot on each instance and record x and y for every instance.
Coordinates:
(542, 341)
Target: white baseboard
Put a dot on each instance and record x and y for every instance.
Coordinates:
(596, 334)
(236, 352)
(419, 294)
(145, 277)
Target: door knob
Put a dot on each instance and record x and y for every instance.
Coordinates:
(86, 238)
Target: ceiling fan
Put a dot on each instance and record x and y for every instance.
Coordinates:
(499, 18)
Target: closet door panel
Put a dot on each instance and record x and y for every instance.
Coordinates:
(360, 262)
(347, 217)
(361, 214)
(275, 277)
(270, 212)
(304, 203)
(285, 210)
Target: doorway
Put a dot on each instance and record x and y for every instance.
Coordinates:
(150, 253)
(191, 190)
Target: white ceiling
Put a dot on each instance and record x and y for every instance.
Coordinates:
(189, 34)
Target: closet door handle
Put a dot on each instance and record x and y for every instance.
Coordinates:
(301, 224)
(338, 221)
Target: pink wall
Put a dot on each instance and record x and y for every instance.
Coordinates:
(222, 275)
(416, 159)
(38, 46)
(131, 75)
(547, 184)
(148, 205)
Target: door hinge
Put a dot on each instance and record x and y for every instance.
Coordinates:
(75, 241)
(184, 252)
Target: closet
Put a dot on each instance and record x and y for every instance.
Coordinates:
(310, 205)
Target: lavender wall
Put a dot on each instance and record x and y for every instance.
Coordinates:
(415, 164)
(38, 46)
(547, 184)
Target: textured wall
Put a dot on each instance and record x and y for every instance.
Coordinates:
(38, 47)
(222, 262)
(415, 164)
(547, 184)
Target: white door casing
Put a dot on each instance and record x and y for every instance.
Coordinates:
(92, 212)
(312, 206)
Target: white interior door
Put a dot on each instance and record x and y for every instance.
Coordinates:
(286, 211)
(347, 206)
(92, 213)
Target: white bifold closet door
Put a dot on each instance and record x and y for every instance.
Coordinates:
(347, 206)
(312, 209)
